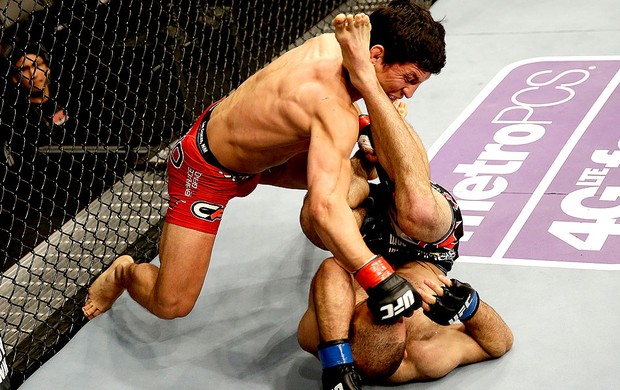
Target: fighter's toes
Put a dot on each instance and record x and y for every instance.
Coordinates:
(340, 21)
(87, 310)
(362, 20)
(90, 311)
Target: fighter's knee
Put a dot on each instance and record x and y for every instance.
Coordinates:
(424, 221)
(172, 312)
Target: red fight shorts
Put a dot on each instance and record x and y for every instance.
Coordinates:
(198, 186)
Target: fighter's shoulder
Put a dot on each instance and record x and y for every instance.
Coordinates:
(326, 97)
(321, 55)
(326, 43)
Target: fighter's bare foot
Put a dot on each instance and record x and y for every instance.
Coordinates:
(353, 35)
(106, 289)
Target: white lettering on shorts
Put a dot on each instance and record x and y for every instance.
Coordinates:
(191, 181)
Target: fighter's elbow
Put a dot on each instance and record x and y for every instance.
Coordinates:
(509, 340)
(319, 210)
(504, 345)
(307, 227)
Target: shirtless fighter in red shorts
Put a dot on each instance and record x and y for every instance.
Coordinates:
(292, 124)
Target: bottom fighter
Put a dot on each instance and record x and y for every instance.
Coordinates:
(425, 346)
(454, 326)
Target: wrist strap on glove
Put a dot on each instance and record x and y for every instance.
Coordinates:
(458, 302)
(338, 369)
(335, 353)
(373, 272)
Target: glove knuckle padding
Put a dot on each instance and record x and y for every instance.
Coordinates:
(343, 377)
(458, 302)
(392, 299)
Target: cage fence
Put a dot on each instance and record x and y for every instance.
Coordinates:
(95, 92)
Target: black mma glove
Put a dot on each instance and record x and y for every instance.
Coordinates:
(390, 296)
(458, 302)
(338, 369)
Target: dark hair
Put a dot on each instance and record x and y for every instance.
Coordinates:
(409, 34)
(18, 52)
(33, 48)
(377, 349)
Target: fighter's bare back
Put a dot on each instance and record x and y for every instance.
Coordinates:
(267, 120)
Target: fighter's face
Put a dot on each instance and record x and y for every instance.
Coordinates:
(400, 80)
(33, 73)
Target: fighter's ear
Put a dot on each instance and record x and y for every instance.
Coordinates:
(376, 53)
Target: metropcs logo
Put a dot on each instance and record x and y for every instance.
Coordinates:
(534, 164)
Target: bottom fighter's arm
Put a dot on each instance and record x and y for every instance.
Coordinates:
(324, 328)
(482, 336)
(490, 331)
(457, 301)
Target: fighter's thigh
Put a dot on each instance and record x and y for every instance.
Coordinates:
(184, 255)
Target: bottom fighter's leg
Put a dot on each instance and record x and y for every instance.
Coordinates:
(353, 35)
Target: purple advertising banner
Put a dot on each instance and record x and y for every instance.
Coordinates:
(534, 163)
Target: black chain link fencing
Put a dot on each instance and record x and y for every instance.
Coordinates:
(94, 94)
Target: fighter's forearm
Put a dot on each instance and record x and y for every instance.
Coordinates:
(329, 212)
(490, 331)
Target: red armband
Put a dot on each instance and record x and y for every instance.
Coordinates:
(373, 272)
